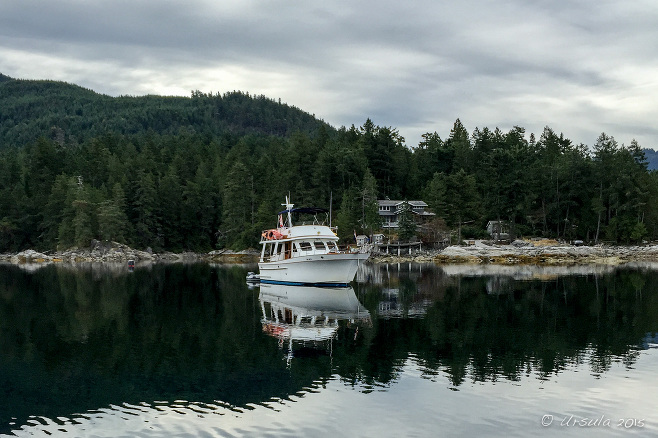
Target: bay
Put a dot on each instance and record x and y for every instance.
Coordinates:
(415, 350)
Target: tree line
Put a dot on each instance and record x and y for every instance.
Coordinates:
(193, 192)
(217, 181)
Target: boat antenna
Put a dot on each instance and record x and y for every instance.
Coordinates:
(289, 207)
(331, 201)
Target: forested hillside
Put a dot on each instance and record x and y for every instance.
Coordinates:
(211, 171)
(70, 114)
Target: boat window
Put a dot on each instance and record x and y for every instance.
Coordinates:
(332, 246)
(319, 244)
(305, 246)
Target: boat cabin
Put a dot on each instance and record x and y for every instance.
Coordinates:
(306, 238)
(277, 250)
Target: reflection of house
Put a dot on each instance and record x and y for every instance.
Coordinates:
(392, 307)
(390, 210)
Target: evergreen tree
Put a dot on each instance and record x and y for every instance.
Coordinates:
(145, 212)
(349, 214)
(175, 227)
(435, 194)
(370, 218)
(82, 223)
(77, 226)
(237, 220)
(58, 206)
(406, 224)
(112, 220)
(460, 146)
(463, 200)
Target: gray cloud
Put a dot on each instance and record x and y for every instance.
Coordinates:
(581, 67)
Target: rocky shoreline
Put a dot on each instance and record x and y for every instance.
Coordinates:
(529, 254)
(113, 252)
(479, 253)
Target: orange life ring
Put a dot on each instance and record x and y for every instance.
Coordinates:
(276, 234)
(272, 235)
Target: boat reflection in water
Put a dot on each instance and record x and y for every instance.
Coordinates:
(308, 316)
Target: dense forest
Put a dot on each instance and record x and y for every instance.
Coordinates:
(210, 171)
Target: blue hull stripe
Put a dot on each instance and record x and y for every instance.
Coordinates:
(297, 283)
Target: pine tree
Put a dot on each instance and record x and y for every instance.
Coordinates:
(349, 214)
(112, 220)
(406, 224)
(435, 194)
(237, 218)
(144, 207)
(370, 218)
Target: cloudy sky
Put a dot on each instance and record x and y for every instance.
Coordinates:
(581, 67)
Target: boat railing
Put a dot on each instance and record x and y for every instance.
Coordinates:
(360, 249)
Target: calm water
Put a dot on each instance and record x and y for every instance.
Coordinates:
(409, 350)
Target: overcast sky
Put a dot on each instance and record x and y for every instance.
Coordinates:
(581, 67)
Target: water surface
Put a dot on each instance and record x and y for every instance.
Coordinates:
(412, 350)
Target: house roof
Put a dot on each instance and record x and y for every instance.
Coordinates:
(384, 202)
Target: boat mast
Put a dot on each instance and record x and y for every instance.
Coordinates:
(289, 207)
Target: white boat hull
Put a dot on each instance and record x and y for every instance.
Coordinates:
(316, 269)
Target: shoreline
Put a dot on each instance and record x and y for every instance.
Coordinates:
(478, 254)
(113, 252)
(553, 254)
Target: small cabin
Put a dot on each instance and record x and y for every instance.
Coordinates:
(498, 230)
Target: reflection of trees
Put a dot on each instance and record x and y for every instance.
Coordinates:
(72, 340)
(532, 326)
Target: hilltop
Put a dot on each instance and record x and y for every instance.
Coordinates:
(71, 114)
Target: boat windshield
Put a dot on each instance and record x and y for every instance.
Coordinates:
(307, 215)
